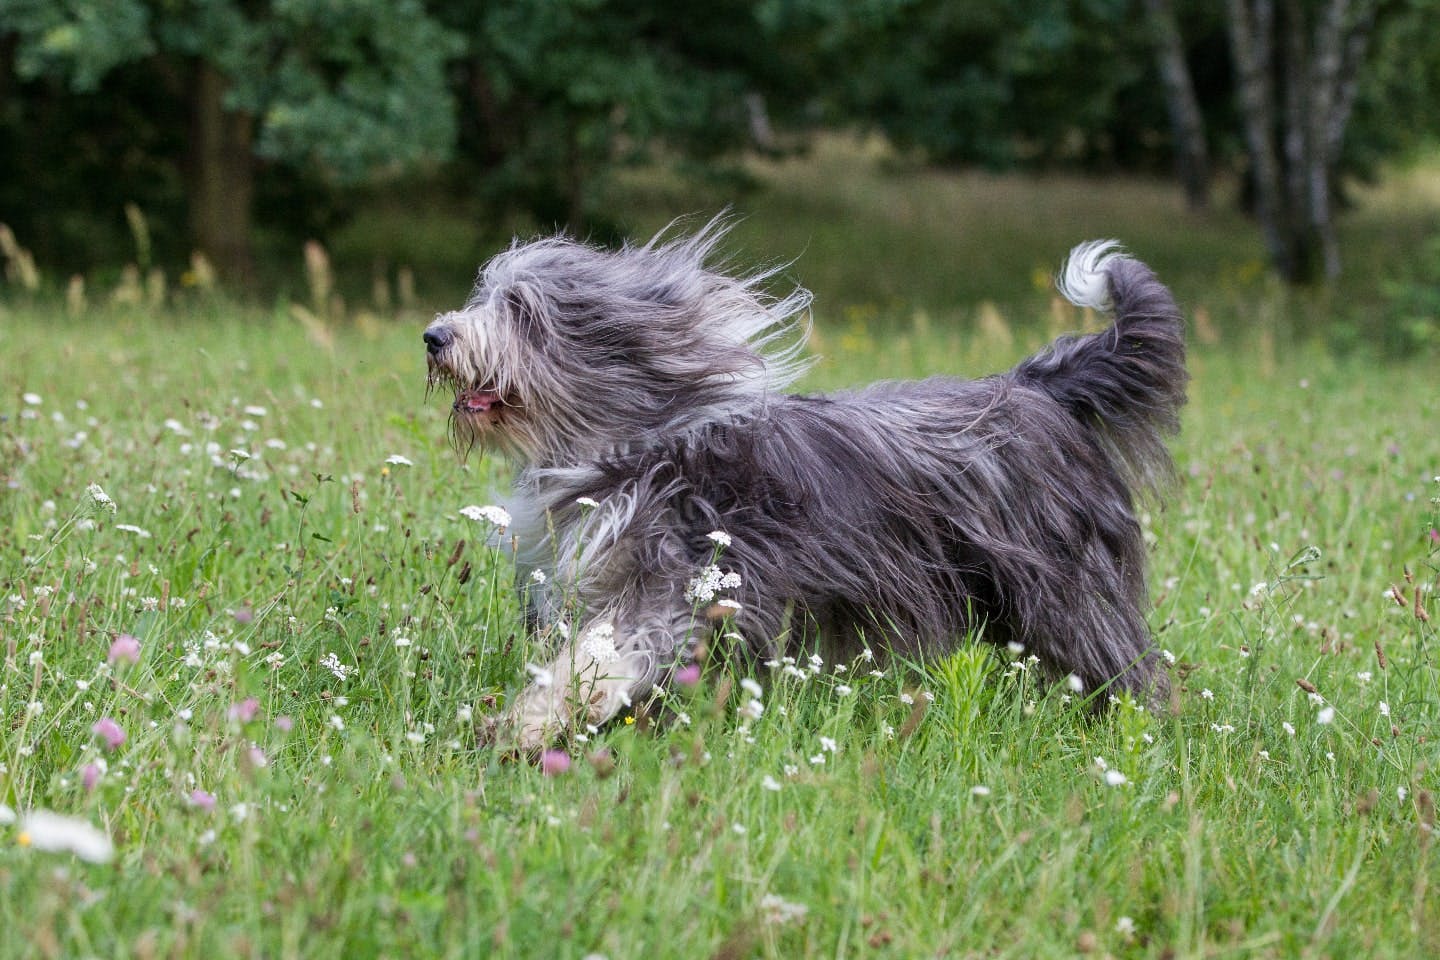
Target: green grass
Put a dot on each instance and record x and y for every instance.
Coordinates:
(388, 832)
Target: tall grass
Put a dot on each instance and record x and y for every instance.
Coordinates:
(319, 630)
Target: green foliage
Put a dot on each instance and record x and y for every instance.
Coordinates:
(338, 94)
(1412, 303)
(1398, 110)
(355, 87)
(79, 40)
(1041, 81)
(558, 93)
(527, 111)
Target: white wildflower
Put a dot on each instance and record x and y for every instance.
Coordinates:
(711, 580)
(777, 912)
(1384, 709)
(332, 662)
(1115, 778)
(599, 643)
(100, 498)
(587, 502)
(489, 513)
(55, 833)
(399, 460)
(770, 783)
(751, 686)
(539, 675)
(720, 537)
(1325, 716)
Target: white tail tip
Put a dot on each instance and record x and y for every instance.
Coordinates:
(1085, 279)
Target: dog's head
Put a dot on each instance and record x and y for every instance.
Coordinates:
(566, 350)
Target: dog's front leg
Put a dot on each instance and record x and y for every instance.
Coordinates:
(614, 660)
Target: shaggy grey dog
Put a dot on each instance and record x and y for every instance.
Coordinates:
(668, 488)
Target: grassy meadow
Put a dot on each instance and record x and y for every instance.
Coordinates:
(247, 637)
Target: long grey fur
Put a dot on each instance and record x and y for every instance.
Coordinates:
(650, 380)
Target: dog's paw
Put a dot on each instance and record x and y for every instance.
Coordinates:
(525, 729)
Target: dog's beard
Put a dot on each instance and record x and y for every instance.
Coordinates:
(481, 413)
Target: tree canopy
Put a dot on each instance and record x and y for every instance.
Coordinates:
(211, 113)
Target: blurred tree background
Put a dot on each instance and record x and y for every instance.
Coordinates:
(242, 127)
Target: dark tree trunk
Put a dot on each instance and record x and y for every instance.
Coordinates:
(1192, 159)
(1296, 72)
(221, 181)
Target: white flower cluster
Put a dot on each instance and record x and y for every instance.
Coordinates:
(599, 643)
(332, 663)
(101, 498)
(777, 911)
(489, 513)
(709, 583)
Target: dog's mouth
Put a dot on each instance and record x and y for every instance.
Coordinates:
(477, 401)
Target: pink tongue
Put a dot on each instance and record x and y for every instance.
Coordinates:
(477, 400)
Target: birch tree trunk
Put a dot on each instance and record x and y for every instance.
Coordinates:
(1192, 159)
(1296, 70)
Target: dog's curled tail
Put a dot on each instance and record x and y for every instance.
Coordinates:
(1127, 381)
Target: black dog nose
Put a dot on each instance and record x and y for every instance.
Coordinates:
(437, 340)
